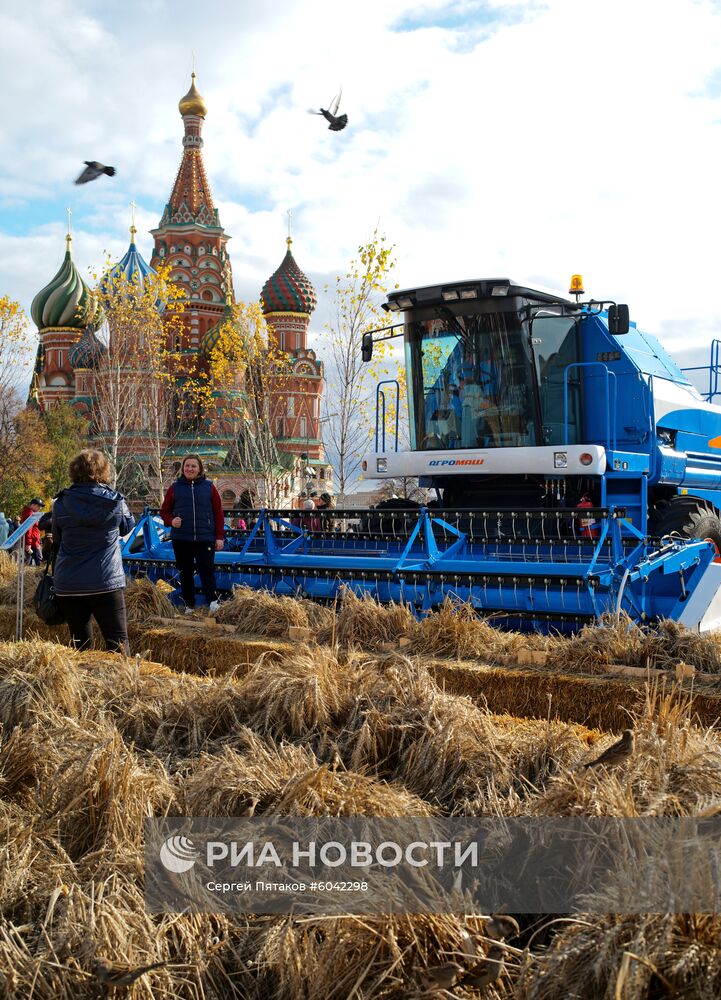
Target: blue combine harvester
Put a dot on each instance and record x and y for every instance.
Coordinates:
(575, 470)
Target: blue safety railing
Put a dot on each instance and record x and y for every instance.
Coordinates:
(714, 371)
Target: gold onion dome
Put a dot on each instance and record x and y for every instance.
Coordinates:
(66, 301)
(192, 103)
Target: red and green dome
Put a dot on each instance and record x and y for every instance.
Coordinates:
(288, 289)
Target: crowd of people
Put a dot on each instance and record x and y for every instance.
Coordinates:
(79, 538)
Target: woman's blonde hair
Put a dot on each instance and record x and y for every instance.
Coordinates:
(90, 466)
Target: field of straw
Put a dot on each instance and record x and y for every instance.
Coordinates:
(92, 743)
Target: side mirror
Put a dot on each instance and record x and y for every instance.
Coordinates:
(367, 347)
(618, 319)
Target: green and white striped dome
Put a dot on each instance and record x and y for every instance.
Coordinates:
(66, 301)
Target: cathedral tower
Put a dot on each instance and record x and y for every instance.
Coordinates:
(61, 311)
(190, 238)
(288, 299)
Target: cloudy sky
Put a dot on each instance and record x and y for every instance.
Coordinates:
(487, 137)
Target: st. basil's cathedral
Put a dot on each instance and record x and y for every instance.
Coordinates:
(192, 242)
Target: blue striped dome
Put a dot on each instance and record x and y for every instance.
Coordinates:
(132, 266)
(87, 352)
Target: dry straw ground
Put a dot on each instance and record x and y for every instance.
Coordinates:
(92, 743)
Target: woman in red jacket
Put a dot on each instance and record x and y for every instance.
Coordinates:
(193, 509)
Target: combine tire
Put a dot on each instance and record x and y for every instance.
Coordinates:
(689, 518)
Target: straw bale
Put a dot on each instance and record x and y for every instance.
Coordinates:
(95, 791)
(102, 920)
(363, 622)
(253, 768)
(8, 584)
(258, 612)
(368, 957)
(203, 652)
(675, 769)
(291, 696)
(456, 630)
(679, 956)
(34, 676)
(32, 626)
(8, 567)
(31, 863)
(186, 718)
(323, 792)
(145, 599)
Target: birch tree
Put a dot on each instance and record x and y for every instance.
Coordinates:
(131, 377)
(349, 398)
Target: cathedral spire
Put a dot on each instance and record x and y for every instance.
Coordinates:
(191, 200)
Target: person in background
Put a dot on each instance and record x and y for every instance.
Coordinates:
(194, 510)
(88, 519)
(315, 521)
(14, 523)
(4, 528)
(48, 548)
(324, 504)
(33, 551)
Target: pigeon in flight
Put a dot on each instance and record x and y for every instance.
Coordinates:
(337, 122)
(92, 170)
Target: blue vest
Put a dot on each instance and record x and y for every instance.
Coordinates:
(192, 501)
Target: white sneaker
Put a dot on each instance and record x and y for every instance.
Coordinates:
(188, 610)
(213, 607)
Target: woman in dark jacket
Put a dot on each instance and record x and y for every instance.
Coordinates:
(88, 520)
(193, 508)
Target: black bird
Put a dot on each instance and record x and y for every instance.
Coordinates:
(337, 122)
(92, 170)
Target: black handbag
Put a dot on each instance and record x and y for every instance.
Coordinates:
(46, 603)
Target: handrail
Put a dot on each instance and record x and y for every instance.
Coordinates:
(714, 371)
(381, 398)
(610, 424)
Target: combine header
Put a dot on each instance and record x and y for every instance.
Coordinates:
(575, 470)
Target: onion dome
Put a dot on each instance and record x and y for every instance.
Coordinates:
(288, 290)
(212, 334)
(87, 352)
(66, 301)
(192, 103)
(132, 268)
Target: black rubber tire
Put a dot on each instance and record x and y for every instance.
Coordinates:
(688, 517)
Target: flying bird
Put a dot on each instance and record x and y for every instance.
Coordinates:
(93, 169)
(617, 753)
(118, 974)
(337, 122)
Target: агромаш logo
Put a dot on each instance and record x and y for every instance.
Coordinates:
(178, 854)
